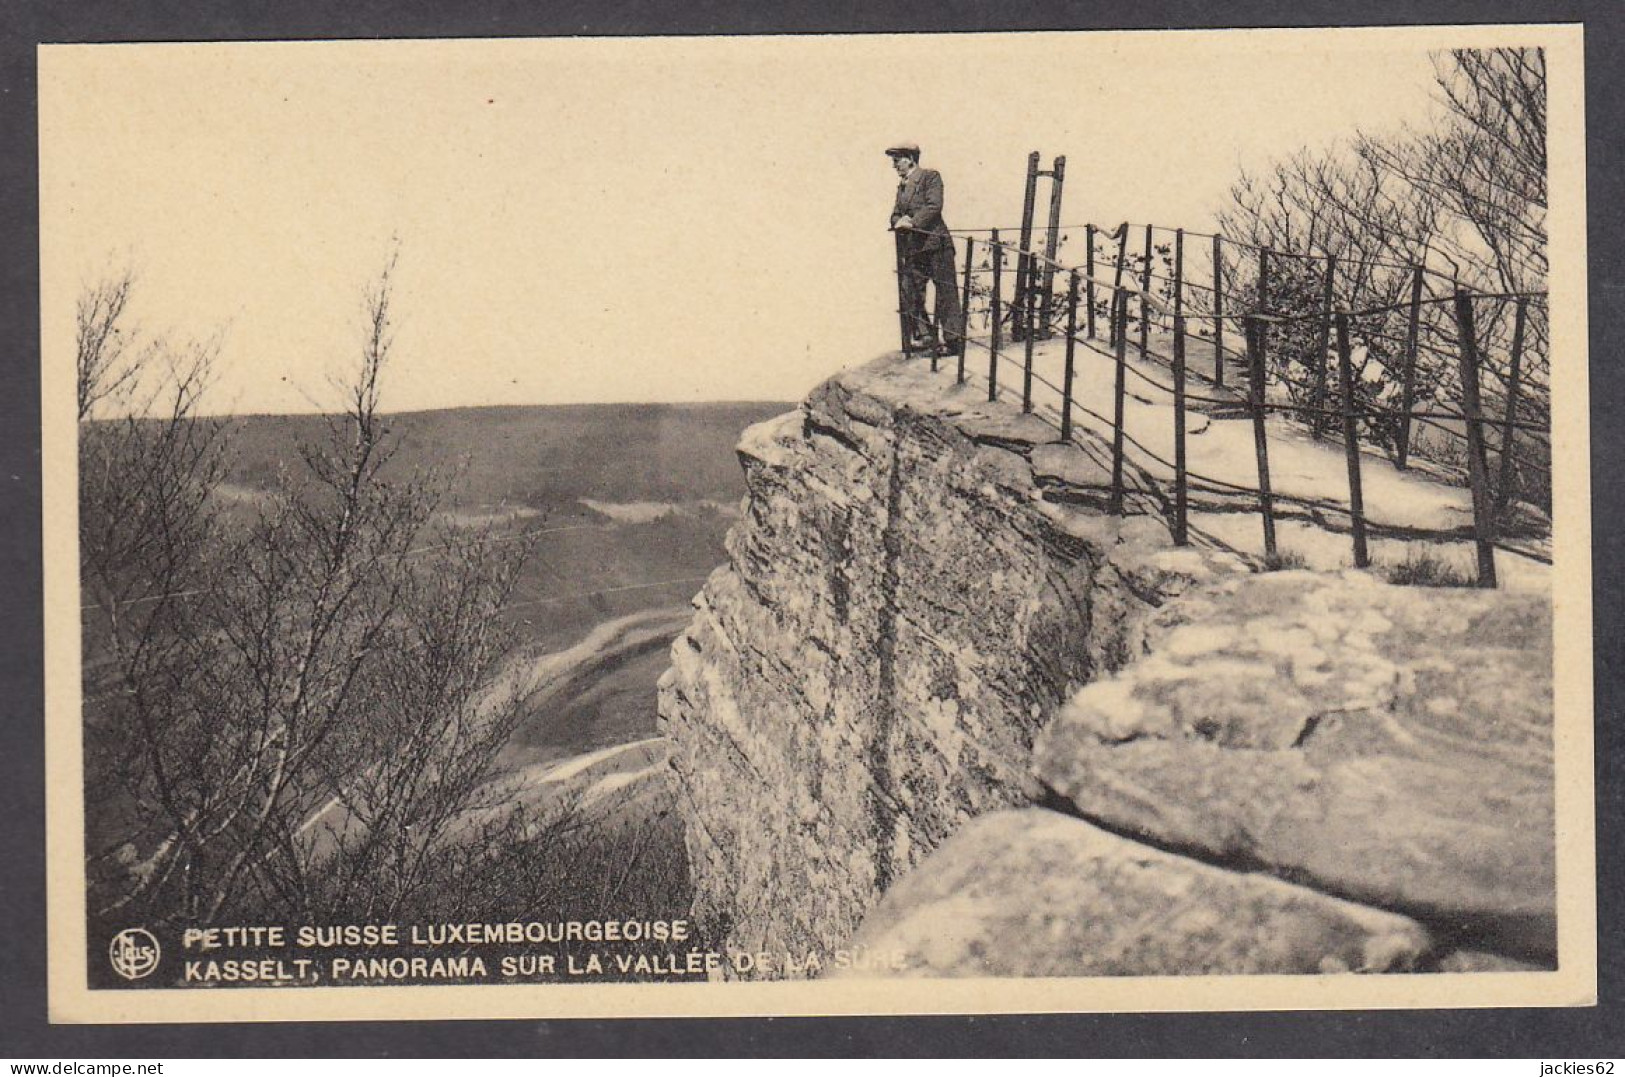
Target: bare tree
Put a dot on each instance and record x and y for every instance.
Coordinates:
(147, 523)
(106, 364)
(1485, 161)
(1333, 203)
(1466, 196)
(299, 705)
(1335, 214)
(1465, 199)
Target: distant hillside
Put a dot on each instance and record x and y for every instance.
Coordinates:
(629, 504)
(543, 456)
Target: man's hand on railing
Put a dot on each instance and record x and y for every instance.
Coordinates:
(904, 224)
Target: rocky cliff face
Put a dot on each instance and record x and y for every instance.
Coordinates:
(921, 583)
(1391, 745)
(1304, 773)
(901, 613)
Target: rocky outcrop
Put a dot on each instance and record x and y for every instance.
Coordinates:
(1304, 773)
(1234, 772)
(1389, 744)
(1036, 893)
(900, 615)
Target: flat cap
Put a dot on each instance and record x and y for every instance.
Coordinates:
(904, 149)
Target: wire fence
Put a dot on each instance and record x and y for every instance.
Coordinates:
(1387, 359)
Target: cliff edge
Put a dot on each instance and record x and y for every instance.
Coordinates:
(923, 585)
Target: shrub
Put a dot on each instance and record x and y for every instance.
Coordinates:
(1426, 570)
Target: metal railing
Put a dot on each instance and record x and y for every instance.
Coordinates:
(1370, 353)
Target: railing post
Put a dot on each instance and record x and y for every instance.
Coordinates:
(1478, 465)
(998, 318)
(1024, 278)
(1179, 272)
(1261, 447)
(1117, 275)
(1089, 273)
(1145, 294)
(1503, 487)
(1180, 503)
(1052, 242)
(1263, 280)
(1120, 315)
(1351, 441)
(1029, 332)
(1218, 312)
(1320, 355)
(1022, 302)
(1071, 343)
(964, 309)
(1407, 399)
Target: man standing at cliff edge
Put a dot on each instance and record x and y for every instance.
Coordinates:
(925, 252)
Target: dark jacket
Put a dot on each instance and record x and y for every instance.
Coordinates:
(920, 198)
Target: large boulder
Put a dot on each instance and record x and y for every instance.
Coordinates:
(1389, 744)
(1031, 892)
(902, 611)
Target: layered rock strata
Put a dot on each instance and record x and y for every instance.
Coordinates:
(1234, 773)
(1037, 893)
(1389, 744)
(900, 614)
(1304, 773)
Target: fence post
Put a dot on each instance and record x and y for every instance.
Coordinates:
(1052, 242)
(1351, 441)
(1218, 312)
(1089, 274)
(1261, 447)
(1117, 277)
(998, 314)
(934, 350)
(1320, 354)
(964, 309)
(1179, 272)
(1028, 317)
(1180, 504)
(1478, 465)
(1024, 269)
(1145, 294)
(1021, 309)
(1120, 315)
(1503, 487)
(1263, 304)
(1023, 264)
(1407, 399)
(1071, 342)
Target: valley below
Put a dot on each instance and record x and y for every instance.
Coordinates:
(625, 508)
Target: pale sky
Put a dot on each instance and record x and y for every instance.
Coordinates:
(627, 220)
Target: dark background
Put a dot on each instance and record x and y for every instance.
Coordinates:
(24, 1033)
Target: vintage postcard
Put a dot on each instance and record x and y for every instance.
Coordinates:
(817, 525)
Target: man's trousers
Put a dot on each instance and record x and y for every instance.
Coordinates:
(937, 267)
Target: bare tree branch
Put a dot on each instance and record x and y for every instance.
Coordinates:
(302, 707)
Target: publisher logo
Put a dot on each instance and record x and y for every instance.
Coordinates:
(134, 953)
